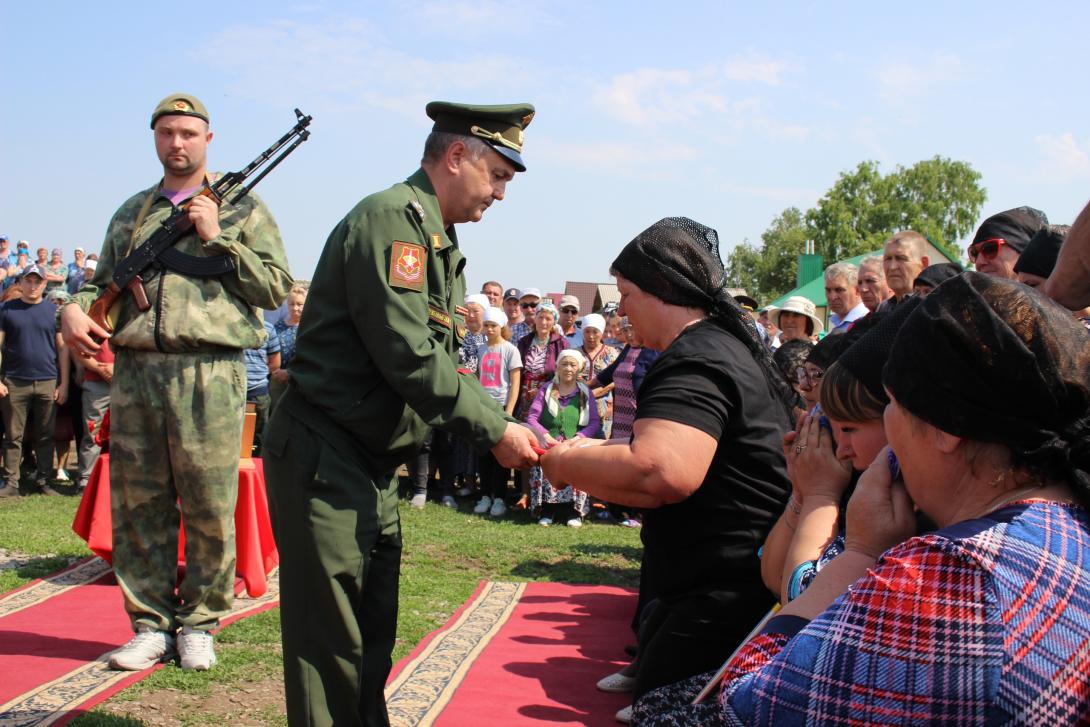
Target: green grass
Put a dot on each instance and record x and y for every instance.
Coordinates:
(446, 554)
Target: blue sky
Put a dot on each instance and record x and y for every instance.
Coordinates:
(723, 112)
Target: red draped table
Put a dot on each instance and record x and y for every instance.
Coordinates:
(254, 543)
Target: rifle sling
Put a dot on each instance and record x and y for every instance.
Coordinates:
(172, 258)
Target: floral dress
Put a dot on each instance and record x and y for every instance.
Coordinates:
(597, 364)
(564, 419)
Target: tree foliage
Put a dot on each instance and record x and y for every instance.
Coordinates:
(937, 197)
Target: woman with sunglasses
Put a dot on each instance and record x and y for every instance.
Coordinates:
(1001, 239)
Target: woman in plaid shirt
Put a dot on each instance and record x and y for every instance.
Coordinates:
(985, 620)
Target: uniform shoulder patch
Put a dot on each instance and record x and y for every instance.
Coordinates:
(407, 261)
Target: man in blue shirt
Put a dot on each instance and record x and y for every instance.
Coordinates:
(260, 362)
(842, 297)
(33, 355)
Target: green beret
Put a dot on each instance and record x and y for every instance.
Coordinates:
(499, 125)
(179, 104)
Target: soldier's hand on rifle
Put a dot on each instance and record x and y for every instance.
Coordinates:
(77, 330)
(205, 216)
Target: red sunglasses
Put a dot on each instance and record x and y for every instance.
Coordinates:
(988, 248)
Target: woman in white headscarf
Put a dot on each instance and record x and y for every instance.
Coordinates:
(563, 409)
(599, 356)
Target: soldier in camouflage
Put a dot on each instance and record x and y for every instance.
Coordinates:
(178, 393)
(374, 368)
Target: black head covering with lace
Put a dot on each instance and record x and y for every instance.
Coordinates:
(992, 360)
(677, 261)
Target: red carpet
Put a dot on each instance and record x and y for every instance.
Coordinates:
(518, 654)
(54, 635)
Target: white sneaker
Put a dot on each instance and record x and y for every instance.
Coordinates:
(545, 522)
(499, 508)
(195, 649)
(145, 650)
(575, 523)
(624, 716)
(419, 501)
(483, 505)
(449, 501)
(62, 475)
(617, 683)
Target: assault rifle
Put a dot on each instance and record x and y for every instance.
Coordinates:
(158, 251)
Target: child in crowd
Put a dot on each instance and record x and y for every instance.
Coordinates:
(500, 372)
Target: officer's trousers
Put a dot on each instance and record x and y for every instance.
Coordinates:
(339, 536)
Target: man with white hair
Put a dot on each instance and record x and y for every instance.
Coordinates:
(871, 284)
(904, 257)
(842, 297)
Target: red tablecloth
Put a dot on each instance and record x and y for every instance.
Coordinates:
(254, 542)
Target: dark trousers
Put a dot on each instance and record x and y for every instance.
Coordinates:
(493, 477)
(694, 635)
(261, 403)
(339, 537)
(33, 398)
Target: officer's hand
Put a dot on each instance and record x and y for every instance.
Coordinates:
(205, 216)
(77, 329)
(516, 447)
(3, 391)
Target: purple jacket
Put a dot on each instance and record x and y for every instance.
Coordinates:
(556, 344)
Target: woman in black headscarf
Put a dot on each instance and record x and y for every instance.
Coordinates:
(985, 620)
(705, 456)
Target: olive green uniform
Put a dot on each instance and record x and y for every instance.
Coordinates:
(374, 369)
(176, 408)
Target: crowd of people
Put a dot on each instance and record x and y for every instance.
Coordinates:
(877, 518)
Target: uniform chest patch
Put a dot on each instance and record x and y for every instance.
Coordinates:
(407, 261)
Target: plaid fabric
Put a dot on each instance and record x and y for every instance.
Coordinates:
(985, 622)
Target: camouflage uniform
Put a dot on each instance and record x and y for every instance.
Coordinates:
(176, 409)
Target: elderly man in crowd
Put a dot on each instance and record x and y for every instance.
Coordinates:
(904, 256)
(1001, 238)
(528, 303)
(842, 297)
(494, 292)
(569, 313)
(871, 284)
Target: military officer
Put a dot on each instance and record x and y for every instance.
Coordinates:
(374, 368)
(177, 396)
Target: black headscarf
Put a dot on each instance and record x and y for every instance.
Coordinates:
(1016, 226)
(867, 355)
(991, 360)
(1039, 257)
(677, 261)
(935, 275)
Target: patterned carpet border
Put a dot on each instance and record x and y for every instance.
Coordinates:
(426, 684)
(55, 702)
(42, 590)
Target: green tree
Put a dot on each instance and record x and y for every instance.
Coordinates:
(743, 268)
(783, 241)
(771, 270)
(938, 197)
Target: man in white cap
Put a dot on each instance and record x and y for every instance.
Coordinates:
(569, 314)
(528, 303)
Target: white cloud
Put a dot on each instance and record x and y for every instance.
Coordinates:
(616, 155)
(348, 63)
(757, 68)
(1064, 158)
(918, 75)
(659, 96)
(476, 17)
